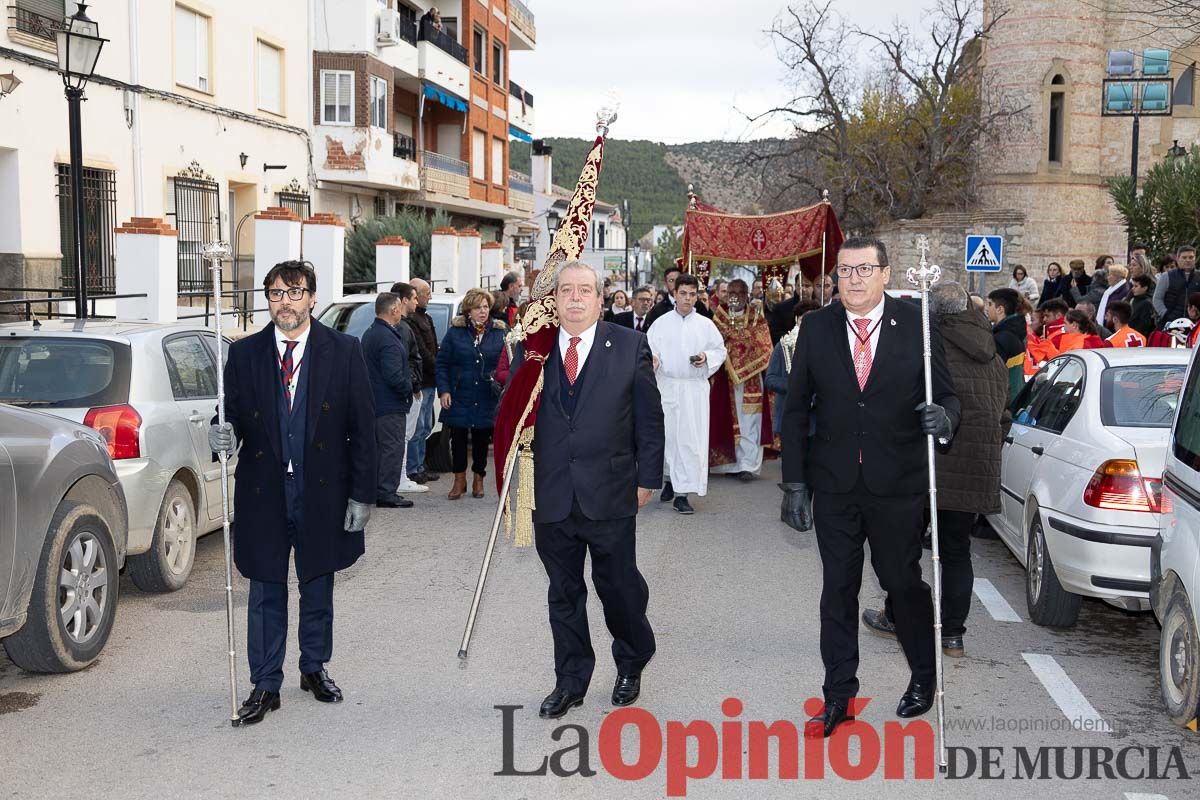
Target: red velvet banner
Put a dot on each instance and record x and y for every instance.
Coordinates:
(771, 240)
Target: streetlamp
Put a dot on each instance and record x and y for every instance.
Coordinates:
(626, 220)
(8, 83)
(553, 220)
(637, 263)
(79, 46)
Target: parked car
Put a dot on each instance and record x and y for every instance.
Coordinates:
(354, 313)
(150, 389)
(1081, 477)
(1175, 561)
(63, 537)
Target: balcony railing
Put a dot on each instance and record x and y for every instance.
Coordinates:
(522, 19)
(446, 164)
(34, 24)
(404, 147)
(516, 91)
(519, 183)
(442, 40)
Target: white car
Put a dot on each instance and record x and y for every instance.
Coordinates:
(151, 390)
(1175, 561)
(1081, 477)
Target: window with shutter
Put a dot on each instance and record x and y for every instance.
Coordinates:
(479, 156)
(337, 97)
(270, 78)
(191, 49)
(498, 162)
(379, 102)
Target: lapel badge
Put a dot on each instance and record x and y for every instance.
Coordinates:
(893, 322)
(607, 343)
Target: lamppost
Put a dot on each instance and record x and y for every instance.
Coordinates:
(637, 265)
(626, 220)
(8, 84)
(79, 46)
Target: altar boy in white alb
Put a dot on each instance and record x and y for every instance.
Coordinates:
(687, 350)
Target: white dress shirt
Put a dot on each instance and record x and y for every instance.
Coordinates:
(875, 315)
(581, 349)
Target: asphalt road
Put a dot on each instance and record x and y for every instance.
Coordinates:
(734, 606)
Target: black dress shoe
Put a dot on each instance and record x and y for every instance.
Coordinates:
(668, 494)
(877, 622)
(321, 685)
(417, 477)
(916, 701)
(682, 505)
(558, 703)
(746, 477)
(953, 646)
(626, 689)
(257, 705)
(822, 725)
(394, 502)
(430, 476)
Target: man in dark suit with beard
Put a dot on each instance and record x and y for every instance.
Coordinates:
(858, 369)
(298, 401)
(638, 317)
(598, 457)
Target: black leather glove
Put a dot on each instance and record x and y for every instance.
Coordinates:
(796, 509)
(935, 422)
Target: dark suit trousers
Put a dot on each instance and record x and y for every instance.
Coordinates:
(562, 547)
(958, 576)
(267, 616)
(893, 526)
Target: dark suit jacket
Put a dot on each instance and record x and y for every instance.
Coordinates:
(339, 454)
(625, 320)
(880, 421)
(614, 443)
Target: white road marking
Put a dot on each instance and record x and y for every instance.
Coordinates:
(994, 602)
(1078, 711)
(1140, 796)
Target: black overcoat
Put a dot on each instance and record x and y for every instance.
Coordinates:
(340, 460)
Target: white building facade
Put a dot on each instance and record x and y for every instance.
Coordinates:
(196, 113)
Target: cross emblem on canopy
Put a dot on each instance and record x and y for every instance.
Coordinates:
(758, 239)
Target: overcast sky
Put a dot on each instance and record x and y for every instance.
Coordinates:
(683, 68)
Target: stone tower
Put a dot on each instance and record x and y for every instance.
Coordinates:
(1049, 56)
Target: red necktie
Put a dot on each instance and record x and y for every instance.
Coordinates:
(287, 371)
(571, 362)
(862, 352)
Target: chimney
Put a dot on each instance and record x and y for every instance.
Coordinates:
(541, 169)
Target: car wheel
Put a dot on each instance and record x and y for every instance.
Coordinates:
(1179, 660)
(1049, 603)
(165, 567)
(74, 597)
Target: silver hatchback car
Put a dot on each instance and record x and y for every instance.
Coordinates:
(62, 541)
(150, 389)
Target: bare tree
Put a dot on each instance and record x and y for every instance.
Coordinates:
(1177, 22)
(900, 138)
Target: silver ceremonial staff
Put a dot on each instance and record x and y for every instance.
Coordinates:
(216, 252)
(923, 277)
(487, 559)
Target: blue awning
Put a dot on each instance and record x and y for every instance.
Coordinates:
(517, 133)
(446, 99)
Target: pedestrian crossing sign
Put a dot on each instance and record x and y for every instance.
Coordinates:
(984, 253)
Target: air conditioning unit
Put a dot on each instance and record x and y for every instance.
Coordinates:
(386, 27)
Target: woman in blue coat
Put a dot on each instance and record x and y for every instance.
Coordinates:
(466, 363)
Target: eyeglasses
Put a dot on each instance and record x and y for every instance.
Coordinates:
(293, 293)
(863, 270)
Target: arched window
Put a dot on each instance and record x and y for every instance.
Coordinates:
(1057, 119)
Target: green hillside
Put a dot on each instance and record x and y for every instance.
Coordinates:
(654, 177)
(637, 171)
